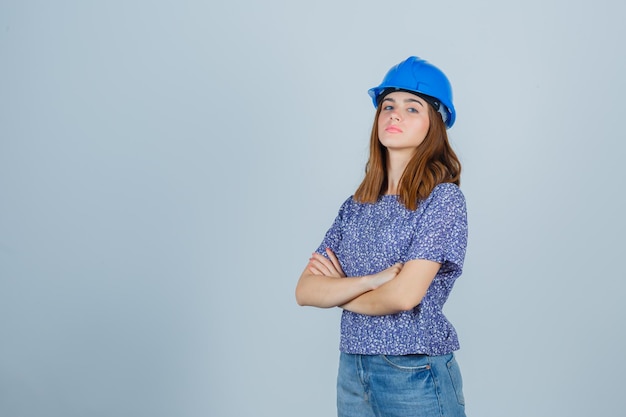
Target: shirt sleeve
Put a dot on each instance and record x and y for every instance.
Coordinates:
(441, 233)
(334, 234)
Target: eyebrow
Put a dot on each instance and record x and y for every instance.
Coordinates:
(407, 100)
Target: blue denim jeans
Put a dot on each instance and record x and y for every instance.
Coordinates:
(399, 386)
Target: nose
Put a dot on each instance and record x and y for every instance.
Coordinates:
(394, 116)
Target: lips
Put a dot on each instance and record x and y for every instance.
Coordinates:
(393, 129)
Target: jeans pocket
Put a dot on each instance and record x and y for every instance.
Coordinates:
(457, 380)
(410, 363)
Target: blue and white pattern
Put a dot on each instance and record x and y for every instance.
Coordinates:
(368, 238)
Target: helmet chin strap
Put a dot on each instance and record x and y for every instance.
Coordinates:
(444, 114)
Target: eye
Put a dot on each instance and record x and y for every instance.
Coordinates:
(388, 107)
(412, 110)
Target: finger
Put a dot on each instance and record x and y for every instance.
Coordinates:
(334, 260)
(327, 266)
(323, 260)
(312, 269)
(331, 254)
(317, 268)
(321, 264)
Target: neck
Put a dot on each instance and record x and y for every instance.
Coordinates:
(396, 163)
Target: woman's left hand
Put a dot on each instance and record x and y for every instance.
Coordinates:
(330, 267)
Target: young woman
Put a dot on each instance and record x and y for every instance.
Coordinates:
(392, 255)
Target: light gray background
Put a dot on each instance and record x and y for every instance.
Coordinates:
(166, 168)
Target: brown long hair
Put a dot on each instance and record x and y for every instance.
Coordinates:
(434, 162)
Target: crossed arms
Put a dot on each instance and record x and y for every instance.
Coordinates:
(398, 288)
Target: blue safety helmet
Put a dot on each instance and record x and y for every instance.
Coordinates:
(418, 76)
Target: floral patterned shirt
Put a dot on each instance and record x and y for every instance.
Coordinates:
(368, 238)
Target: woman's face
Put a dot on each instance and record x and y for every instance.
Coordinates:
(403, 121)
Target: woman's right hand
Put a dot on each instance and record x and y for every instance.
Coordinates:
(384, 276)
